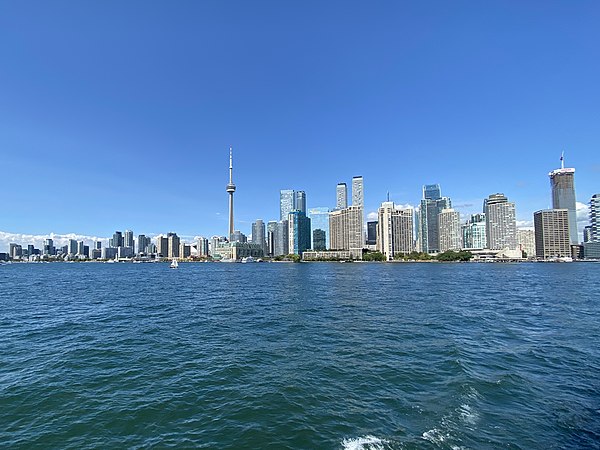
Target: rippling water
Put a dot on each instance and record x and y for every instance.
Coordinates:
(273, 356)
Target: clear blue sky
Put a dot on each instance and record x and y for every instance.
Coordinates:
(119, 115)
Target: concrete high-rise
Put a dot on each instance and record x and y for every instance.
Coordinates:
(449, 225)
(526, 241)
(173, 245)
(431, 206)
(394, 230)
(117, 240)
(552, 237)
(271, 237)
(358, 198)
(142, 243)
(258, 235)
(319, 240)
(341, 196)
(501, 224)
(287, 203)
(72, 247)
(202, 247)
(48, 247)
(594, 233)
(128, 239)
(562, 182)
(230, 190)
(346, 228)
(162, 246)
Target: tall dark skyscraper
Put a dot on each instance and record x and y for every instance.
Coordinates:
(372, 233)
(431, 206)
(562, 182)
(300, 203)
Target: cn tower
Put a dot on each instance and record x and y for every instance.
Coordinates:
(230, 190)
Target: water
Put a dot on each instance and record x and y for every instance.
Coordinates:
(322, 355)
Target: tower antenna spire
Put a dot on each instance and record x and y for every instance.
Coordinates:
(230, 190)
(562, 160)
(230, 164)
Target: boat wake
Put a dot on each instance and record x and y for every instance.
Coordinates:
(364, 443)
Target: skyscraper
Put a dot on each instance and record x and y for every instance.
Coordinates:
(394, 230)
(357, 192)
(128, 239)
(501, 224)
(271, 237)
(202, 247)
(173, 245)
(72, 248)
(258, 235)
(300, 201)
(298, 232)
(48, 247)
(230, 190)
(346, 228)
(162, 246)
(287, 203)
(318, 241)
(341, 196)
(372, 233)
(526, 241)
(281, 239)
(142, 243)
(117, 240)
(562, 182)
(431, 206)
(319, 219)
(473, 232)
(552, 237)
(449, 223)
(594, 233)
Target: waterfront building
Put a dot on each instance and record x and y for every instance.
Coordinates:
(185, 250)
(473, 232)
(173, 245)
(394, 230)
(72, 247)
(15, 251)
(298, 232)
(358, 198)
(501, 224)
(142, 243)
(281, 239)
(319, 241)
(319, 219)
(128, 240)
(300, 201)
(108, 253)
(95, 253)
(80, 248)
(202, 247)
(258, 234)
(287, 203)
(271, 237)
(591, 250)
(594, 232)
(238, 236)
(48, 247)
(215, 242)
(116, 240)
(124, 252)
(587, 233)
(335, 255)
(526, 241)
(552, 237)
(372, 233)
(430, 208)
(341, 196)
(346, 228)
(449, 230)
(162, 246)
(562, 182)
(230, 189)
(234, 251)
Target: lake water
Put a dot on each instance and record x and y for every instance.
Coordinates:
(307, 356)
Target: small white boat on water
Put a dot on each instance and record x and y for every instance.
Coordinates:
(174, 264)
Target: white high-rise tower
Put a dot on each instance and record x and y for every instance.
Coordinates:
(230, 190)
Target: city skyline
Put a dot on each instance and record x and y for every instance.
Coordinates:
(78, 114)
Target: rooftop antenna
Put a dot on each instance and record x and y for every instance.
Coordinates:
(388, 196)
(230, 164)
(562, 160)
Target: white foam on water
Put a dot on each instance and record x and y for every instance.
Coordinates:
(435, 436)
(467, 414)
(367, 442)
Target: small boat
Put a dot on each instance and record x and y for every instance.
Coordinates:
(174, 264)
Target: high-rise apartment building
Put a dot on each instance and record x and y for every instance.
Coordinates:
(202, 247)
(552, 237)
(173, 245)
(501, 224)
(319, 240)
(431, 206)
(281, 239)
(394, 230)
(299, 235)
(372, 233)
(162, 246)
(473, 232)
(116, 240)
(287, 203)
(128, 239)
(594, 233)
(258, 235)
(346, 228)
(81, 248)
(562, 182)
(341, 196)
(238, 236)
(72, 247)
(449, 229)
(142, 243)
(526, 241)
(271, 237)
(48, 247)
(319, 219)
(358, 198)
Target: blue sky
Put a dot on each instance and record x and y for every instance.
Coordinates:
(118, 115)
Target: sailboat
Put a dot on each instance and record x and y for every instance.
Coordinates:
(174, 264)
